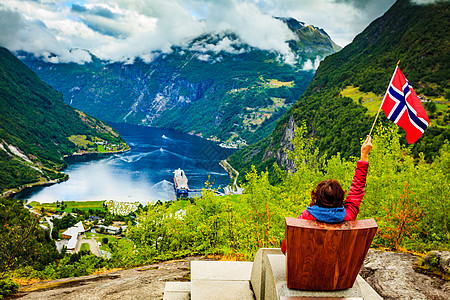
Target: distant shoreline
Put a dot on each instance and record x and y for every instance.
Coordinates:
(96, 152)
(15, 191)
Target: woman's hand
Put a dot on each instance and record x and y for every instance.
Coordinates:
(365, 148)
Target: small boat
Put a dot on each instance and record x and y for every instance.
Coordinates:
(180, 183)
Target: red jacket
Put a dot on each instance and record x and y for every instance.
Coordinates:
(353, 200)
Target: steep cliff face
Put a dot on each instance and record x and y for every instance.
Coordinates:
(219, 95)
(286, 144)
(281, 153)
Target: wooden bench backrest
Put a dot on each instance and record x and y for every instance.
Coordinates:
(321, 256)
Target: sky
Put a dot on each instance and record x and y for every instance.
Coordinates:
(121, 30)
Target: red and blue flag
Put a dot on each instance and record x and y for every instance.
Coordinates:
(402, 106)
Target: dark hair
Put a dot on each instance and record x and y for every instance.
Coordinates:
(329, 193)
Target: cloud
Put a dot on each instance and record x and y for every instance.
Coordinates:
(425, 2)
(32, 35)
(223, 44)
(361, 4)
(341, 19)
(250, 24)
(121, 30)
(309, 65)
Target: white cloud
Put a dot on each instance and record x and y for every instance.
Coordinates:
(121, 30)
(309, 65)
(424, 2)
(250, 24)
(341, 19)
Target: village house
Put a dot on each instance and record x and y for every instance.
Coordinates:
(71, 234)
(110, 229)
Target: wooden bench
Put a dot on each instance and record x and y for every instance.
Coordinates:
(326, 257)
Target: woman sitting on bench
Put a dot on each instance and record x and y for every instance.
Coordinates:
(328, 199)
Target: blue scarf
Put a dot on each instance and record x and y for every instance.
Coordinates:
(327, 215)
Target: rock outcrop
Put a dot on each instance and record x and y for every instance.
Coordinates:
(393, 277)
(390, 274)
(440, 260)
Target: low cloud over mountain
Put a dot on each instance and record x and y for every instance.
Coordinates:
(121, 30)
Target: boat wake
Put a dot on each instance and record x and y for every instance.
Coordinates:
(164, 137)
(183, 157)
(137, 157)
(164, 184)
(162, 190)
(133, 158)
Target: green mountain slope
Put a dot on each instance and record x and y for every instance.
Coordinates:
(222, 95)
(339, 104)
(36, 125)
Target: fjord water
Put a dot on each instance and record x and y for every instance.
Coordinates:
(144, 174)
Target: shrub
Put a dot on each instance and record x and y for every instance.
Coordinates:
(8, 287)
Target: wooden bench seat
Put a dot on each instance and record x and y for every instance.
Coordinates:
(326, 257)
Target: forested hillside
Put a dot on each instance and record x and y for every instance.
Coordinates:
(36, 125)
(340, 103)
(216, 86)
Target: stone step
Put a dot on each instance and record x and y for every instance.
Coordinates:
(221, 290)
(221, 270)
(229, 280)
(367, 291)
(177, 291)
(221, 280)
(275, 283)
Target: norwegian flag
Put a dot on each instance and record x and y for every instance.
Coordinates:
(402, 106)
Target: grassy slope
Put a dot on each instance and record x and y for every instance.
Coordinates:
(83, 205)
(36, 121)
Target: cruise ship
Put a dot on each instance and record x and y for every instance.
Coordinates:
(180, 183)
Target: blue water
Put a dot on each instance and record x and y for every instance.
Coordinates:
(144, 174)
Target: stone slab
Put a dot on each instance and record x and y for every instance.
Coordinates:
(315, 298)
(177, 286)
(367, 291)
(176, 290)
(275, 287)
(221, 290)
(257, 279)
(176, 296)
(220, 270)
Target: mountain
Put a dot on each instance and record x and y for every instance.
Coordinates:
(37, 129)
(215, 86)
(340, 103)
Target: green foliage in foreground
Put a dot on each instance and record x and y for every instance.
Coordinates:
(7, 287)
(73, 265)
(409, 199)
(22, 240)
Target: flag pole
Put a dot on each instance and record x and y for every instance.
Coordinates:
(373, 125)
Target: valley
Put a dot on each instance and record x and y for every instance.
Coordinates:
(221, 96)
